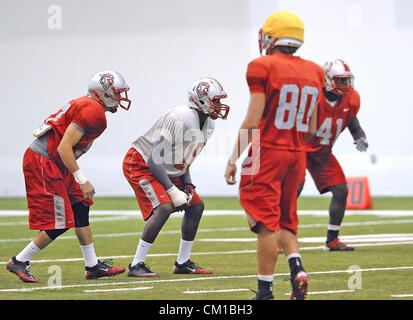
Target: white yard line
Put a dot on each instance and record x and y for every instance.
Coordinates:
(216, 291)
(402, 295)
(99, 219)
(319, 213)
(217, 253)
(329, 292)
(149, 255)
(122, 289)
(205, 278)
(326, 292)
(301, 226)
(129, 234)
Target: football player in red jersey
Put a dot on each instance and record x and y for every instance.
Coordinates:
(58, 193)
(283, 106)
(337, 110)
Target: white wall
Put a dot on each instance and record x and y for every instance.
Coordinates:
(161, 46)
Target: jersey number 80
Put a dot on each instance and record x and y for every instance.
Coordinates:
(288, 102)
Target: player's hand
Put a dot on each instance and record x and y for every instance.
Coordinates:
(87, 189)
(179, 198)
(230, 172)
(189, 190)
(361, 144)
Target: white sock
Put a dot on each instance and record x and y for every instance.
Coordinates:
(269, 278)
(141, 252)
(293, 255)
(28, 253)
(185, 248)
(333, 227)
(89, 255)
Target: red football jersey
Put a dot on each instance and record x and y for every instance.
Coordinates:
(292, 87)
(331, 121)
(85, 112)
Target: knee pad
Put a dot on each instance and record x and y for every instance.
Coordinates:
(81, 214)
(53, 234)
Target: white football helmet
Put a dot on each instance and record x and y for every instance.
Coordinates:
(110, 89)
(338, 77)
(205, 94)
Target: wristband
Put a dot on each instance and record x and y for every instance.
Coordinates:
(171, 189)
(79, 177)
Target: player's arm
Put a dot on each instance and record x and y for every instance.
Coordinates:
(313, 125)
(186, 178)
(252, 120)
(189, 187)
(70, 138)
(156, 158)
(359, 136)
(155, 163)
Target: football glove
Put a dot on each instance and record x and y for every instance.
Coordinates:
(179, 198)
(189, 190)
(361, 144)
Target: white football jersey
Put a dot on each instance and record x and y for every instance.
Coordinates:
(180, 127)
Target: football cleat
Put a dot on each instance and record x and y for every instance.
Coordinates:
(299, 286)
(337, 245)
(21, 269)
(141, 270)
(103, 269)
(259, 296)
(189, 267)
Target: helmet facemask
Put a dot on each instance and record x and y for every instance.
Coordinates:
(205, 95)
(110, 89)
(217, 109)
(343, 84)
(265, 42)
(117, 96)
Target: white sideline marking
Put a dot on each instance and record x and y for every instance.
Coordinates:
(194, 279)
(217, 291)
(402, 295)
(137, 214)
(122, 289)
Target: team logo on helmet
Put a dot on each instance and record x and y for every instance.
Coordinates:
(202, 89)
(106, 80)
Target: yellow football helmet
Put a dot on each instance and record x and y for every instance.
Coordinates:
(282, 28)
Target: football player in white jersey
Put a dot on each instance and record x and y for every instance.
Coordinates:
(157, 168)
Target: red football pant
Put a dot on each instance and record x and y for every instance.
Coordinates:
(270, 196)
(50, 191)
(148, 191)
(325, 174)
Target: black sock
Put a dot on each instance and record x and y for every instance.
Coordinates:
(264, 288)
(331, 235)
(295, 266)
